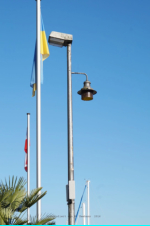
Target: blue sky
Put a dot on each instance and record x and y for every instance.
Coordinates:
(111, 43)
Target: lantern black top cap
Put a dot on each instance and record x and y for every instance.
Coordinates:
(87, 88)
(60, 39)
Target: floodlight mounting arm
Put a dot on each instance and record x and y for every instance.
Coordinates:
(80, 74)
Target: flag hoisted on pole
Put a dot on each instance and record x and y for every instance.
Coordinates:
(27, 160)
(26, 157)
(44, 54)
(41, 53)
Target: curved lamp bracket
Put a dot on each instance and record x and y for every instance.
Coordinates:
(80, 74)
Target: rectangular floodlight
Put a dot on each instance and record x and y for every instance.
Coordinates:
(59, 39)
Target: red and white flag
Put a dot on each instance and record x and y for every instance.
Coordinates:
(26, 154)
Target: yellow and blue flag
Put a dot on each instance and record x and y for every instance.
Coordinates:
(44, 54)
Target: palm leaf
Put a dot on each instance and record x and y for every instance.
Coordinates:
(14, 201)
(32, 199)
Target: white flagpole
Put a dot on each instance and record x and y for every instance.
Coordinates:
(28, 162)
(88, 203)
(83, 213)
(38, 107)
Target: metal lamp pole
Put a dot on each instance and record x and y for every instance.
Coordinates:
(60, 40)
(71, 201)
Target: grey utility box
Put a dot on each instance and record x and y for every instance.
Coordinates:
(72, 189)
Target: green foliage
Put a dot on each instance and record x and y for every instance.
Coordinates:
(14, 202)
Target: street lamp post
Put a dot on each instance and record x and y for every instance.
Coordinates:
(60, 40)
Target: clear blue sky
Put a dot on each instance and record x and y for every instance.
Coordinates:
(111, 43)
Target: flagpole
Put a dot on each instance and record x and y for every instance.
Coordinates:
(38, 105)
(28, 165)
(88, 203)
(83, 213)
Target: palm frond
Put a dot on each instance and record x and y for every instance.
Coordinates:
(5, 215)
(14, 200)
(12, 192)
(32, 199)
(14, 184)
(4, 195)
(18, 220)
